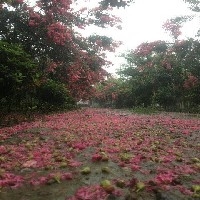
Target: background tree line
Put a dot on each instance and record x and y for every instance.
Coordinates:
(158, 74)
(46, 64)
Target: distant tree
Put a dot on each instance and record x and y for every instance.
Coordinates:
(164, 73)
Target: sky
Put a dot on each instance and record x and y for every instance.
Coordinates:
(142, 22)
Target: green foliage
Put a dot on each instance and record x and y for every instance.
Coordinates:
(166, 97)
(163, 74)
(105, 41)
(54, 96)
(115, 3)
(18, 75)
(145, 110)
(124, 99)
(194, 5)
(21, 87)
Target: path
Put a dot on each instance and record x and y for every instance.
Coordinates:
(69, 155)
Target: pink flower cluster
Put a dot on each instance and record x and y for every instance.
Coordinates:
(62, 3)
(146, 48)
(34, 18)
(11, 180)
(19, 1)
(90, 193)
(173, 27)
(51, 177)
(190, 82)
(59, 34)
(165, 178)
(51, 66)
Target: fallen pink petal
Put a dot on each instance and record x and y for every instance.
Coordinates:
(129, 148)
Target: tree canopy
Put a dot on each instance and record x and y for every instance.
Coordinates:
(48, 33)
(159, 73)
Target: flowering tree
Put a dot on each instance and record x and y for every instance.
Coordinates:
(164, 73)
(48, 31)
(106, 92)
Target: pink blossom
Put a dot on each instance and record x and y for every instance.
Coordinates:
(79, 146)
(96, 157)
(3, 150)
(135, 167)
(30, 163)
(190, 82)
(59, 33)
(184, 190)
(186, 169)
(19, 1)
(74, 163)
(11, 180)
(165, 178)
(66, 176)
(90, 193)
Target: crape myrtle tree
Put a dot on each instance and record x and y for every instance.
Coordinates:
(48, 32)
(163, 73)
(158, 73)
(109, 91)
(114, 92)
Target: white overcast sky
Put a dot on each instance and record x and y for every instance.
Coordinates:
(144, 19)
(142, 22)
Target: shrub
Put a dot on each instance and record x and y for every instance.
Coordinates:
(54, 96)
(18, 76)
